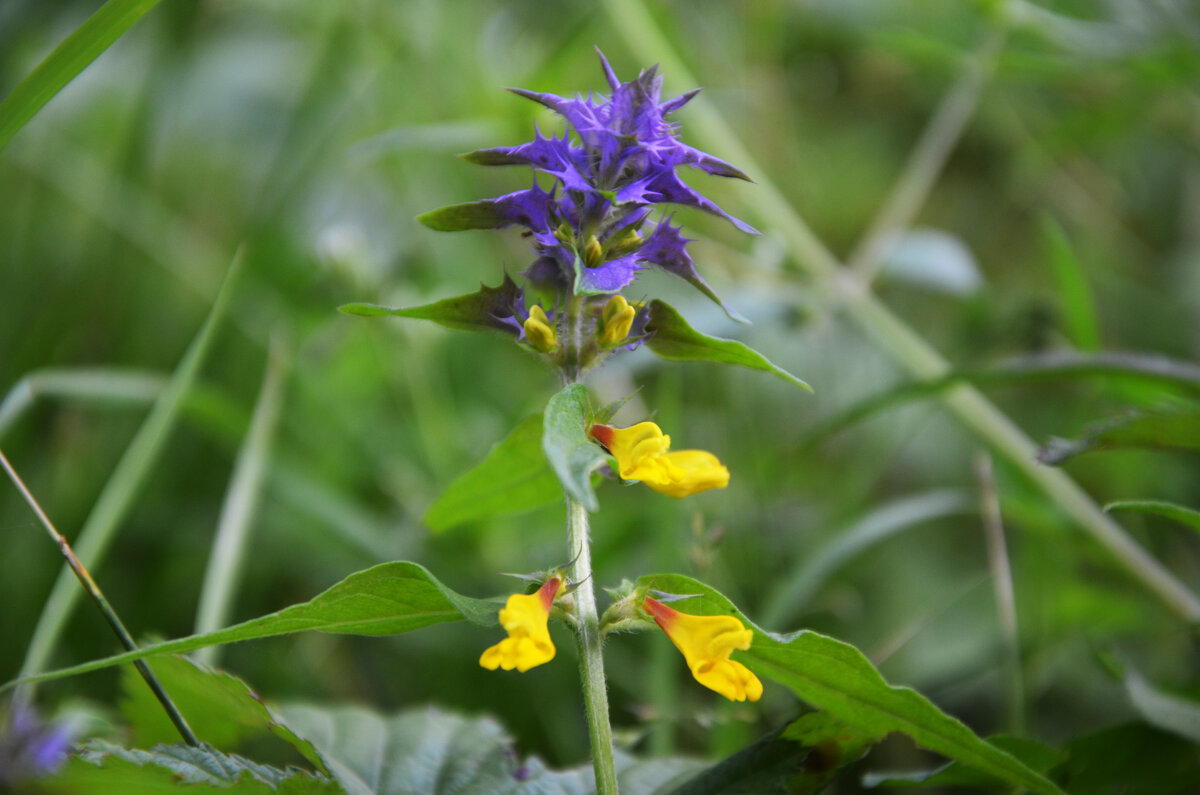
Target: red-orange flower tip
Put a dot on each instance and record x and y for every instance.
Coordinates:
(706, 643)
(526, 618)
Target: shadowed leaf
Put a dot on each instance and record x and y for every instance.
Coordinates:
(1187, 516)
(1177, 428)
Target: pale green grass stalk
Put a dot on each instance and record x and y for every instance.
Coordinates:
(110, 615)
(127, 479)
(136, 387)
(1002, 588)
(848, 290)
(227, 560)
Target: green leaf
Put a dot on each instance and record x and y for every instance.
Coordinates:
(799, 759)
(1075, 296)
(471, 215)
(1187, 516)
(672, 338)
(384, 600)
(103, 767)
(221, 709)
(432, 751)
(1128, 759)
(68, 59)
(514, 477)
(1176, 427)
(955, 774)
(477, 311)
(835, 677)
(572, 455)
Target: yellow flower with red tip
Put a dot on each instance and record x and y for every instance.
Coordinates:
(706, 643)
(643, 453)
(525, 617)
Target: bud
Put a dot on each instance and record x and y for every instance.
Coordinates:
(615, 320)
(538, 331)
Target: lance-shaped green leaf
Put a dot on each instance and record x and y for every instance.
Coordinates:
(103, 767)
(1177, 427)
(484, 214)
(1169, 510)
(572, 455)
(835, 677)
(383, 600)
(490, 309)
(672, 338)
(68, 59)
(514, 477)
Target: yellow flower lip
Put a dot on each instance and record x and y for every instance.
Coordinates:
(706, 643)
(525, 617)
(643, 453)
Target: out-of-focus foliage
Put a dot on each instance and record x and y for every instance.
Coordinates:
(314, 133)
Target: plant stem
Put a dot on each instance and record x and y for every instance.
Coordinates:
(110, 615)
(587, 641)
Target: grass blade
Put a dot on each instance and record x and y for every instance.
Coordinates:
(68, 59)
(127, 478)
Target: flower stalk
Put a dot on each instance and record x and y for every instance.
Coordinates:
(588, 644)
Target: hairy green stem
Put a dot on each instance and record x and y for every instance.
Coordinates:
(588, 643)
(110, 615)
(891, 334)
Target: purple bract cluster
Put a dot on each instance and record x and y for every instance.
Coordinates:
(615, 163)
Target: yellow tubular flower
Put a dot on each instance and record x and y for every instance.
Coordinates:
(706, 642)
(525, 618)
(642, 454)
(617, 319)
(538, 330)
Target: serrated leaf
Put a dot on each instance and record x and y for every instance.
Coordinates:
(955, 774)
(103, 767)
(572, 455)
(1187, 516)
(1176, 427)
(672, 338)
(1128, 759)
(489, 309)
(67, 60)
(799, 759)
(471, 215)
(435, 752)
(835, 677)
(514, 477)
(383, 600)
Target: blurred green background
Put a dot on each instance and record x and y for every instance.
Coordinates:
(1067, 217)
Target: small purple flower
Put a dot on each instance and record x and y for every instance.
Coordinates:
(31, 749)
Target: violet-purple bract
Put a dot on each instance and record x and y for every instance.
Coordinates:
(615, 163)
